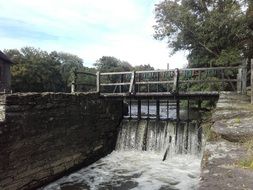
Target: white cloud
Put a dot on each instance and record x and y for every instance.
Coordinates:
(91, 29)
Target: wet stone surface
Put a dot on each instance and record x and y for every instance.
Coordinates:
(233, 123)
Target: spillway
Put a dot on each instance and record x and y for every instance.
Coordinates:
(149, 155)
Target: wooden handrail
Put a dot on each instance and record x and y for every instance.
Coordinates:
(165, 79)
(115, 84)
(155, 82)
(196, 81)
(116, 73)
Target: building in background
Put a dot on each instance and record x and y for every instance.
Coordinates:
(5, 73)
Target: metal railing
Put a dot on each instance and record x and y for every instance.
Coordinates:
(166, 81)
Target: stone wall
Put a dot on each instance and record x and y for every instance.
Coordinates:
(43, 136)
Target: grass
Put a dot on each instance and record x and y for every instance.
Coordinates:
(247, 162)
(206, 126)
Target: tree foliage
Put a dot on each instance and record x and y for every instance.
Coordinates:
(143, 68)
(112, 64)
(37, 71)
(215, 32)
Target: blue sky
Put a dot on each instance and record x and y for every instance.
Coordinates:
(88, 28)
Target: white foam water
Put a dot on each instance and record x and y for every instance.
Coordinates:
(137, 163)
(134, 170)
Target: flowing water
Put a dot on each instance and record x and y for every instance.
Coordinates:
(137, 162)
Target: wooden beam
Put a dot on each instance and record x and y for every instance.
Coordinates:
(86, 84)
(244, 80)
(155, 82)
(116, 73)
(239, 81)
(157, 109)
(175, 83)
(115, 84)
(139, 109)
(98, 82)
(208, 81)
(73, 84)
(132, 82)
(209, 68)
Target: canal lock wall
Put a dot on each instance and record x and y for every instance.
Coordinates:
(46, 135)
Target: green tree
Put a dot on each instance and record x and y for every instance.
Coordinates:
(34, 71)
(143, 68)
(112, 64)
(214, 32)
(38, 71)
(68, 64)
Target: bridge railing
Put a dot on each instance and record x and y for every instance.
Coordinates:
(213, 79)
(141, 82)
(83, 81)
(167, 81)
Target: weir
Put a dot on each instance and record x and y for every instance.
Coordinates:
(149, 154)
(159, 136)
(156, 145)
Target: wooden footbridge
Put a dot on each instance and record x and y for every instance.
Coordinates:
(163, 86)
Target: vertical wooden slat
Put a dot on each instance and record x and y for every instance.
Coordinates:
(73, 85)
(222, 80)
(139, 80)
(158, 79)
(121, 81)
(157, 109)
(98, 82)
(244, 80)
(178, 109)
(148, 108)
(139, 109)
(188, 109)
(131, 86)
(239, 81)
(175, 83)
(130, 108)
(167, 105)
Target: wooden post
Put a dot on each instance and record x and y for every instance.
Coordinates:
(175, 83)
(158, 79)
(178, 110)
(251, 81)
(239, 81)
(130, 108)
(188, 110)
(121, 81)
(98, 82)
(139, 109)
(73, 84)
(244, 80)
(148, 108)
(167, 105)
(222, 80)
(157, 109)
(131, 86)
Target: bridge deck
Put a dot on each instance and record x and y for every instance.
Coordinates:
(163, 95)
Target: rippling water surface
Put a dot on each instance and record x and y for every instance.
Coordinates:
(135, 170)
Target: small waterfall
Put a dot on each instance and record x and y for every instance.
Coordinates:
(159, 136)
(150, 155)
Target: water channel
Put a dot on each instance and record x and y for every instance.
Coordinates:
(149, 155)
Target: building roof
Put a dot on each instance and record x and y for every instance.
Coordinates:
(5, 58)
